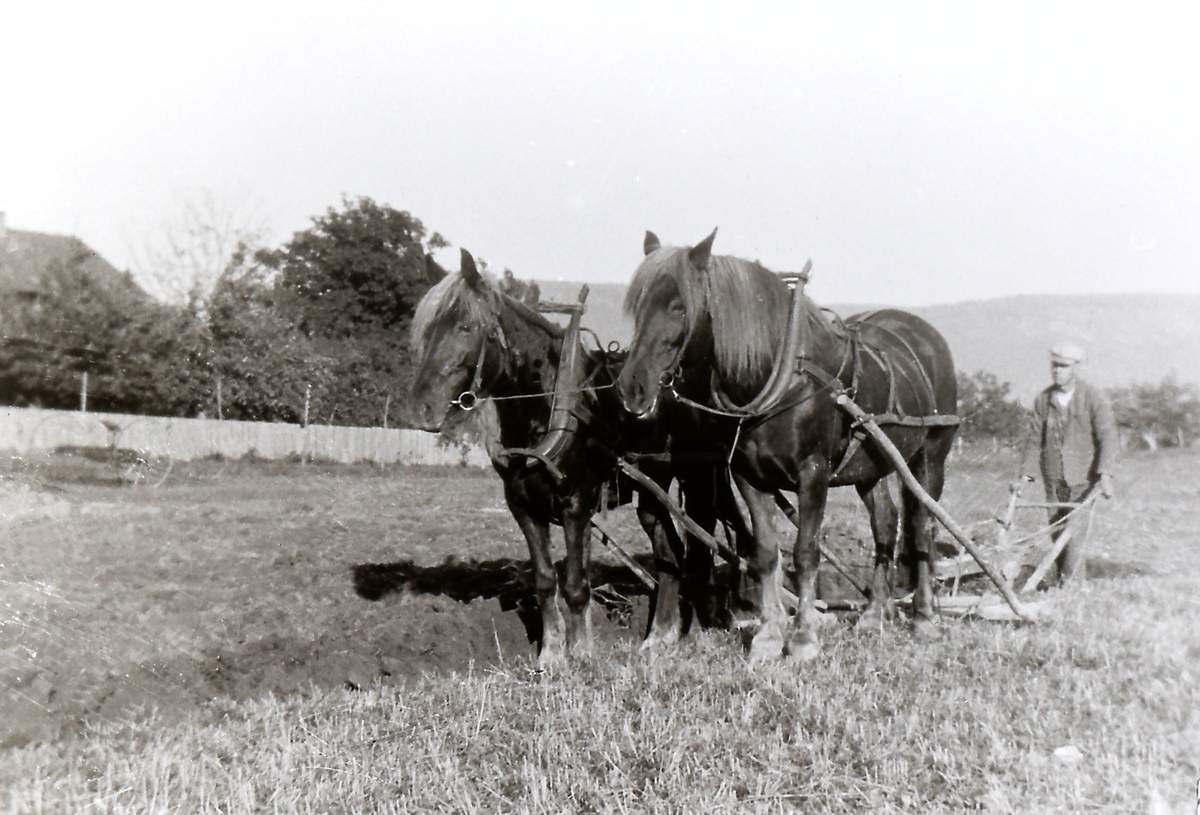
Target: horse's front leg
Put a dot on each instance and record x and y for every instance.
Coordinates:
(802, 644)
(552, 642)
(577, 531)
(882, 511)
(763, 573)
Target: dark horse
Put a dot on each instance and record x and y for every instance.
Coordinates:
(471, 338)
(708, 328)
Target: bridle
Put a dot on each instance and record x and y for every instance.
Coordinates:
(469, 399)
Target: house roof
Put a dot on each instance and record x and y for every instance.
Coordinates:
(25, 256)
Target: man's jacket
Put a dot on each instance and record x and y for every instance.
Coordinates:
(1076, 447)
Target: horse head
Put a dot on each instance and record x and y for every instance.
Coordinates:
(667, 302)
(456, 339)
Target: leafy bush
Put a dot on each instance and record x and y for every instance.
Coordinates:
(141, 356)
(316, 327)
(986, 410)
(1162, 415)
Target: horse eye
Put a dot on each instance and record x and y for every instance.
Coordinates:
(464, 328)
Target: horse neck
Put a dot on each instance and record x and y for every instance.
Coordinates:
(530, 368)
(821, 344)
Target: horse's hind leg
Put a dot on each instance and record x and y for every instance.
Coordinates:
(552, 643)
(577, 531)
(917, 541)
(882, 511)
(745, 594)
(665, 626)
(709, 605)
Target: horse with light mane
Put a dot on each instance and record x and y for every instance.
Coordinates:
(709, 329)
(471, 338)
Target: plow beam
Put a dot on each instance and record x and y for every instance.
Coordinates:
(866, 421)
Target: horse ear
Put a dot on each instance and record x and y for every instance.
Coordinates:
(701, 252)
(433, 270)
(470, 273)
(651, 243)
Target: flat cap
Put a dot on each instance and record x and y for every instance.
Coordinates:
(1067, 353)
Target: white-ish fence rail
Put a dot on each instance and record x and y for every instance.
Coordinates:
(25, 430)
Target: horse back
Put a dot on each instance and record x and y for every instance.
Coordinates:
(905, 365)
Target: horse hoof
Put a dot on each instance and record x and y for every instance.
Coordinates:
(803, 653)
(655, 643)
(874, 616)
(551, 658)
(767, 645)
(802, 645)
(925, 629)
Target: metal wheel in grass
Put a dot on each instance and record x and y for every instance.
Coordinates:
(143, 469)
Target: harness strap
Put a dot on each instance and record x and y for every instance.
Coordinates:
(566, 405)
(912, 354)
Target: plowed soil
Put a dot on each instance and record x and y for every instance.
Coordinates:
(245, 578)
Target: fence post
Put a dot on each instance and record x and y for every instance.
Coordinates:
(307, 395)
(388, 401)
(219, 416)
(83, 394)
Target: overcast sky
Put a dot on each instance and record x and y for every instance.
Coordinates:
(919, 153)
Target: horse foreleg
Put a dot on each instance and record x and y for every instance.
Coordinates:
(709, 606)
(802, 644)
(577, 532)
(666, 623)
(763, 571)
(552, 641)
(882, 511)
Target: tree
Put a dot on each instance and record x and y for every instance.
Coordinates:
(986, 410)
(354, 272)
(1162, 415)
(140, 355)
(182, 261)
(265, 367)
(350, 284)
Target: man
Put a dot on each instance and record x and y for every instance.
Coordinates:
(1073, 425)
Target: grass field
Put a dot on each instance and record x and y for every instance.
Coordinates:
(234, 641)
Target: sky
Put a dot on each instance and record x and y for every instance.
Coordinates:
(919, 153)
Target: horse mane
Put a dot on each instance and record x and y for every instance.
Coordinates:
(747, 303)
(482, 304)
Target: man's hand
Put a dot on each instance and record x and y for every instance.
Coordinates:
(1106, 485)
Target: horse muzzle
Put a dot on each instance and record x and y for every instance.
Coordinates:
(425, 416)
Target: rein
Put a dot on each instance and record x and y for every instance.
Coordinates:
(469, 399)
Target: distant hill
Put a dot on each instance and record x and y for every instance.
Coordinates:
(1129, 337)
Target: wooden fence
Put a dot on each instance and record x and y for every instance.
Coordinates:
(25, 430)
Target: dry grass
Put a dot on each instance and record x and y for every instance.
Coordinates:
(879, 723)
